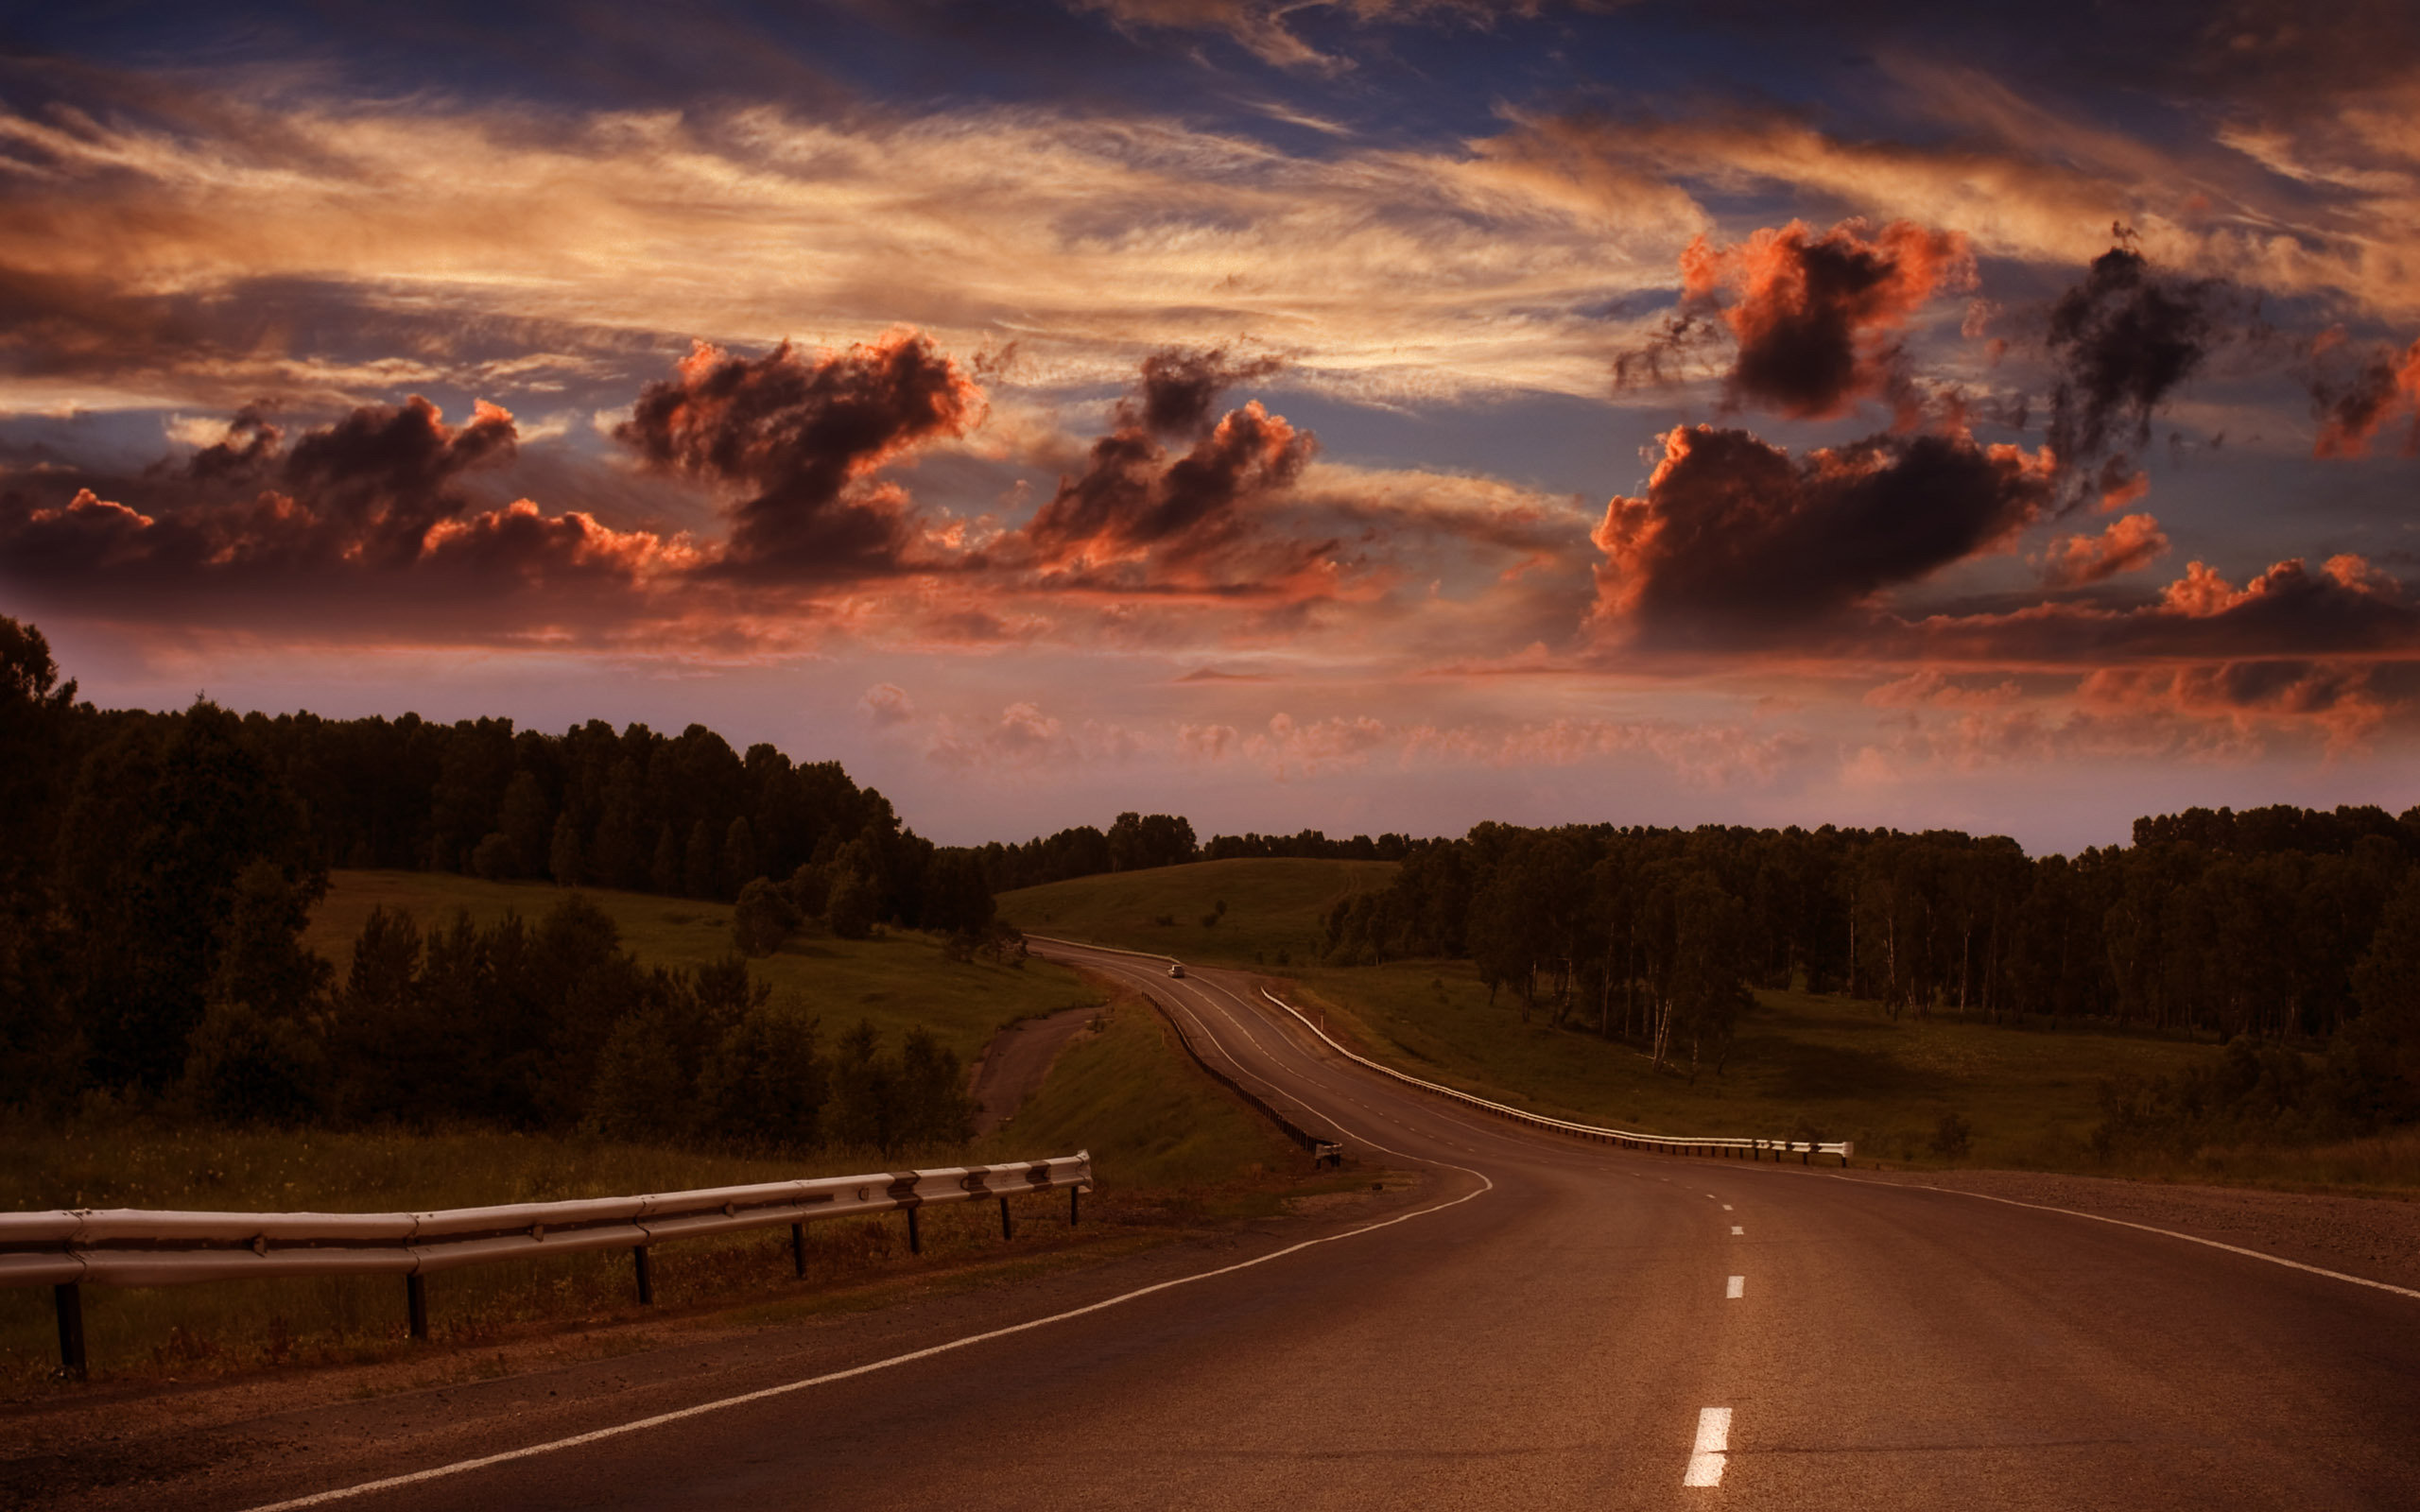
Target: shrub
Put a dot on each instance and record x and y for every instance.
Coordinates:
(245, 1067)
(1952, 1136)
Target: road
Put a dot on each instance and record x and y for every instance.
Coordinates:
(1563, 1325)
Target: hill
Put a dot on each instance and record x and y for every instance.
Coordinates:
(1272, 907)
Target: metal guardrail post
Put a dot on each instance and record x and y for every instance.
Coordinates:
(915, 1237)
(68, 1302)
(416, 1305)
(798, 1249)
(1007, 1230)
(647, 1281)
(1074, 1205)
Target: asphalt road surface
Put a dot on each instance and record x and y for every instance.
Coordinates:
(1563, 1325)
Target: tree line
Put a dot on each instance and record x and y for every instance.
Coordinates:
(2280, 925)
(157, 872)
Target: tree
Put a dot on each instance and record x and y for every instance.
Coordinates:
(763, 918)
(525, 824)
(738, 862)
(562, 855)
(851, 907)
(164, 819)
(764, 1084)
(664, 874)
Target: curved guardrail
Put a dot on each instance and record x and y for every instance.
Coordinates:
(1753, 1148)
(135, 1246)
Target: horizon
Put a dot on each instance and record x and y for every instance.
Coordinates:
(1365, 418)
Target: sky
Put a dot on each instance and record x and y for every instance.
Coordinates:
(1379, 415)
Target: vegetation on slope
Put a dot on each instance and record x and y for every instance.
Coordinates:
(1246, 912)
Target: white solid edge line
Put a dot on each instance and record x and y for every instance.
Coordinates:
(2124, 1223)
(1735, 1288)
(576, 1440)
(1708, 1454)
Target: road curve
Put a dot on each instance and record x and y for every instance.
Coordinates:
(1564, 1325)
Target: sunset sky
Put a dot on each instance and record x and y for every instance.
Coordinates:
(1379, 415)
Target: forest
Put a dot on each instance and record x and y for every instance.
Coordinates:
(156, 870)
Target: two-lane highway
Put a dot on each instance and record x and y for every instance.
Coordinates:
(1558, 1324)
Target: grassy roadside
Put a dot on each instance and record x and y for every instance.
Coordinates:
(896, 980)
(1173, 1151)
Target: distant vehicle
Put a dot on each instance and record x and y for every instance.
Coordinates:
(1176, 968)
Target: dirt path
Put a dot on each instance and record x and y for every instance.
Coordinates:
(1018, 1059)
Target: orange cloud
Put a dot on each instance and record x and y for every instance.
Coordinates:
(2129, 543)
(2353, 408)
(1817, 319)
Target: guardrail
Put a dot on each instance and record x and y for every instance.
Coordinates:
(135, 1246)
(1753, 1148)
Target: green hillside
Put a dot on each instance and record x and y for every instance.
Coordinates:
(1273, 908)
(896, 980)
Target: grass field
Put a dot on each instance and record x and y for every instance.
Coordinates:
(1272, 918)
(897, 980)
(1833, 1066)
(1171, 1150)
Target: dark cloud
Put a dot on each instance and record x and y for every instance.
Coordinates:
(803, 432)
(2353, 407)
(362, 525)
(2121, 342)
(1736, 542)
(1181, 388)
(1136, 498)
(1815, 320)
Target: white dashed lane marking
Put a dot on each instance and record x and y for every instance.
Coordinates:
(1736, 1229)
(1714, 1443)
(1734, 1289)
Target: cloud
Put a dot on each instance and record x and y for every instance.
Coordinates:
(1262, 27)
(1816, 320)
(1190, 520)
(1711, 756)
(2336, 701)
(803, 433)
(2353, 407)
(2346, 610)
(362, 523)
(1736, 543)
(2121, 342)
(2129, 543)
(885, 704)
(1181, 387)
(1024, 738)
(1290, 749)
(170, 240)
